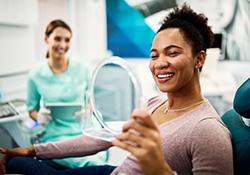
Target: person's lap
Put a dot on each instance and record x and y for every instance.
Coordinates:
(31, 166)
(54, 165)
(90, 170)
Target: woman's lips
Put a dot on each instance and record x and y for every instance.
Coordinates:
(163, 77)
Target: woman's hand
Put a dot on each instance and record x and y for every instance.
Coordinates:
(28, 152)
(142, 138)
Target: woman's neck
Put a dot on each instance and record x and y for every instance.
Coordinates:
(185, 97)
(58, 66)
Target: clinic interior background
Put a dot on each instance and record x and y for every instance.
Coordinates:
(102, 28)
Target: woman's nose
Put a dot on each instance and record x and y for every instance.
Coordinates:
(161, 63)
(63, 44)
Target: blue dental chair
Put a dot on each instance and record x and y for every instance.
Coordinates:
(238, 122)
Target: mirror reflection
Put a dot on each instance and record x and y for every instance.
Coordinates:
(115, 91)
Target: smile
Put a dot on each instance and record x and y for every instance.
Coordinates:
(165, 75)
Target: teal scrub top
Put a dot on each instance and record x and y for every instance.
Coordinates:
(46, 87)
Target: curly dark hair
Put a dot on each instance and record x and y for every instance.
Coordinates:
(193, 26)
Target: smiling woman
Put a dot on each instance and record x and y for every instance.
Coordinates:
(170, 55)
(59, 80)
(58, 42)
(188, 139)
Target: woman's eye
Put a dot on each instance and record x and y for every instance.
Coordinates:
(153, 56)
(173, 53)
(57, 39)
(67, 40)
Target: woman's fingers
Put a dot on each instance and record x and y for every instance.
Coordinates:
(2, 150)
(137, 128)
(11, 152)
(29, 151)
(140, 135)
(6, 151)
(139, 131)
(3, 164)
(130, 146)
(143, 118)
(138, 145)
(124, 145)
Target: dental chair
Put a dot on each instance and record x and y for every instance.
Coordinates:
(238, 122)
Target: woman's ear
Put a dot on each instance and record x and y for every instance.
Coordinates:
(46, 38)
(200, 58)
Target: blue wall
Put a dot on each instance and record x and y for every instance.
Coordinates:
(128, 34)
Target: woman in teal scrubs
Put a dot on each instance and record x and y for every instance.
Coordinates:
(59, 79)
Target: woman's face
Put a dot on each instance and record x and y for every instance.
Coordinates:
(172, 63)
(58, 42)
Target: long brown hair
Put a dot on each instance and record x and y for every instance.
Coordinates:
(52, 26)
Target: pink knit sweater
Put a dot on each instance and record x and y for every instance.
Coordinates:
(196, 143)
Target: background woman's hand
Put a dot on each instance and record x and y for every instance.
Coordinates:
(142, 138)
(28, 152)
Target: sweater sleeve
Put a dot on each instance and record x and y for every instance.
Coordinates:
(211, 148)
(73, 147)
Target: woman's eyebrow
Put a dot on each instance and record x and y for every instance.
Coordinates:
(153, 50)
(167, 48)
(172, 46)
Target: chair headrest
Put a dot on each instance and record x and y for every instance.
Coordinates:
(241, 101)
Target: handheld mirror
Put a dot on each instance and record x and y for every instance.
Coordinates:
(115, 91)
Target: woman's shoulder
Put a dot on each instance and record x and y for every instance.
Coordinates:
(155, 102)
(205, 117)
(38, 69)
(79, 65)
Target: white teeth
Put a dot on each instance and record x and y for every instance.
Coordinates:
(165, 75)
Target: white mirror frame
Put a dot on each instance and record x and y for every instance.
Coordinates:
(131, 73)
